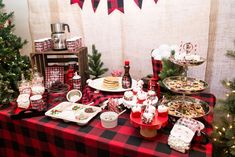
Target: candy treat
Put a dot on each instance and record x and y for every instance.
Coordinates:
(111, 82)
(162, 110)
(147, 118)
(128, 95)
(136, 111)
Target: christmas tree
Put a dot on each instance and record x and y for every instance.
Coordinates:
(95, 64)
(223, 136)
(12, 64)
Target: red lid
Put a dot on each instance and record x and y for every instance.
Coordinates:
(127, 62)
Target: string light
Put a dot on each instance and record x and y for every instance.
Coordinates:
(220, 133)
(230, 127)
(216, 127)
(215, 139)
(228, 115)
(223, 129)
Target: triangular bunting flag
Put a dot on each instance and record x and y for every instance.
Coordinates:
(115, 4)
(80, 2)
(155, 1)
(139, 3)
(95, 4)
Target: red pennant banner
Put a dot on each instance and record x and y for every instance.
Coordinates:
(95, 4)
(80, 2)
(155, 1)
(139, 3)
(115, 4)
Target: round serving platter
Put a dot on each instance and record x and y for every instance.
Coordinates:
(184, 106)
(185, 85)
(187, 62)
(98, 85)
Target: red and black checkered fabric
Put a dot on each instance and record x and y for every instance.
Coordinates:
(43, 136)
(157, 67)
(139, 3)
(95, 4)
(115, 4)
(53, 74)
(80, 2)
(91, 95)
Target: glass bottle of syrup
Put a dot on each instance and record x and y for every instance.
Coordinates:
(126, 78)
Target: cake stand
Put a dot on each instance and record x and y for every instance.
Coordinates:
(149, 131)
(184, 84)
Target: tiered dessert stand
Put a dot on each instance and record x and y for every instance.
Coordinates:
(186, 85)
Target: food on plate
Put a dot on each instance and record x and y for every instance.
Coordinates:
(183, 84)
(89, 110)
(184, 108)
(55, 112)
(147, 117)
(82, 116)
(136, 111)
(128, 95)
(76, 107)
(162, 110)
(109, 119)
(115, 105)
(111, 82)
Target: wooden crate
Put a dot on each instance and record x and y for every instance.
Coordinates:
(62, 58)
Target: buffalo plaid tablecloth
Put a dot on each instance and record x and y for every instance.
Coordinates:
(43, 136)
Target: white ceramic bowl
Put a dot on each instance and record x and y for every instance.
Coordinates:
(74, 95)
(109, 119)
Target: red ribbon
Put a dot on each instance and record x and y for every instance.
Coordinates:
(80, 2)
(115, 4)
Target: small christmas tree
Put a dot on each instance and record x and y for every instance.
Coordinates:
(223, 135)
(12, 64)
(95, 64)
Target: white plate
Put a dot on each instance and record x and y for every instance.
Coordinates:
(68, 114)
(98, 84)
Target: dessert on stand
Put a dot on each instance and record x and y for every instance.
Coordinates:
(186, 106)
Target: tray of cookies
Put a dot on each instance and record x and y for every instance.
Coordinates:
(185, 85)
(73, 112)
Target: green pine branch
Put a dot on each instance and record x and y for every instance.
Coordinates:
(95, 64)
(12, 64)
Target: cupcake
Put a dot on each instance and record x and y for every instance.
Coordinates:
(151, 94)
(128, 96)
(150, 109)
(136, 111)
(162, 110)
(147, 118)
(141, 97)
(136, 89)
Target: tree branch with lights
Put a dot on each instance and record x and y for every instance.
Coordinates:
(12, 64)
(223, 135)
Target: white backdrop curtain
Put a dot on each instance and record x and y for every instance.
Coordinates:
(135, 33)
